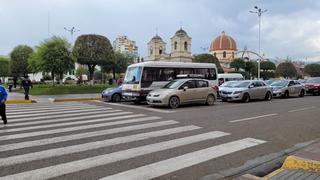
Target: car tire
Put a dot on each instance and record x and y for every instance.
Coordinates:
(302, 93)
(210, 100)
(286, 94)
(174, 102)
(246, 98)
(268, 96)
(116, 98)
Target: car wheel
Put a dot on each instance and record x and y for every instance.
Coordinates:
(302, 93)
(174, 102)
(210, 100)
(116, 98)
(268, 96)
(137, 102)
(246, 98)
(286, 94)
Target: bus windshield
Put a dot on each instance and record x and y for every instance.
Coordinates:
(133, 75)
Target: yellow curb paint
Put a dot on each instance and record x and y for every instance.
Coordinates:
(76, 99)
(19, 101)
(274, 173)
(251, 177)
(293, 162)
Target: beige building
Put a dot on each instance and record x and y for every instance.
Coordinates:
(180, 48)
(224, 47)
(125, 45)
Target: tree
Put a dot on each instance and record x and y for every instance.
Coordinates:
(267, 65)
(313, 70)
(119, 63)
(251, 68)
(19, 60)
(4, 67)
(238, 64)
(54, 56)
(286, 70)
(208, 58)
(93, 50)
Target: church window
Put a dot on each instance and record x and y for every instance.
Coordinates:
(232, 54)
(224, 54)
(185, 45)
(151, 51)
(160, 50)
(175, 45)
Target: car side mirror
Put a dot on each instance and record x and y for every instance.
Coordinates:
(251, 86)
(185, 88)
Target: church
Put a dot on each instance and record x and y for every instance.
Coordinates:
(180, 48)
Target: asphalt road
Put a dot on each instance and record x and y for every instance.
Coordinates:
(96, 140)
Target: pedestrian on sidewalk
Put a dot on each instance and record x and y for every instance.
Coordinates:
(26, 84)
(3, 99)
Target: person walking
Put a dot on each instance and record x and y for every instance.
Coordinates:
(26, 84)
(3, 99)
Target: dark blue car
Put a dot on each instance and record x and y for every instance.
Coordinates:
(112, 94)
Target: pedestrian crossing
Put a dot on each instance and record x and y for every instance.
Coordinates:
(43, 141)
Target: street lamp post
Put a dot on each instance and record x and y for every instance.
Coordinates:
(259, 12)
(72, 31)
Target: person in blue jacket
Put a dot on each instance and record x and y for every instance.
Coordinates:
(3, 99)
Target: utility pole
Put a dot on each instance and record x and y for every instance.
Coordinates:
(259, 12)
(72, 31)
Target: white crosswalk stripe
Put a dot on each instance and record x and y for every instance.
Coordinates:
(57, 130)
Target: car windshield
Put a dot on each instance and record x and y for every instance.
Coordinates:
(227, 84)
(313, 80)
(281, 83)
(240, 84)
(270, 81)
(174, 84)
(133, 75)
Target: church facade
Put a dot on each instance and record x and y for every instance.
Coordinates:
(180, 48)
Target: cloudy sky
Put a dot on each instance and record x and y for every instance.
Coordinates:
(290, 28)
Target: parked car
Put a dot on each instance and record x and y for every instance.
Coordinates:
(246, 90)
(312, 86)
(287, 88)
(112, 94)
(222, 78)
(183, 91)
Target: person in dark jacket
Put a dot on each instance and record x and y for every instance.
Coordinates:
(3, 99)
(26, 84)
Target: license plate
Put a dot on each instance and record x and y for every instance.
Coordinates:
(127, 94)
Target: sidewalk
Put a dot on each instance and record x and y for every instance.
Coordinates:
(303, 164)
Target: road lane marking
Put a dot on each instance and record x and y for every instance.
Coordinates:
(62, 124)
(302, 109)
(67, 129)
(251, 118)
(89, 146)
(42, 118)
(24, 107)
(79, 136)
(64, 111)
(82, 164)
(139, 107)
(49, 110)
(174, 164)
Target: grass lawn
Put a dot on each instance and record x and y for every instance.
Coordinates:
(66, 89)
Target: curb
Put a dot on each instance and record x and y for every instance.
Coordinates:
(20, 101)
(74, 99)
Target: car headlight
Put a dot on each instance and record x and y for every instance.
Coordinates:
(237, 92)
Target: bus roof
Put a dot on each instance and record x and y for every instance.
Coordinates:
(173, 64)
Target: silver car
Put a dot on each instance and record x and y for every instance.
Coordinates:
(183, 91)
(287, 88)
(246, 90)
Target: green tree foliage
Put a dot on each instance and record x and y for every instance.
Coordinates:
(19, 60)
(4, 67)
(208, 58)
(286, 70)
(93, 50)
(119, 63)
(80, 71)
(238, 64)
(251, 68)
(267, 66)
(54, 56)
(34, 63)
(265, 75)
(313, 70)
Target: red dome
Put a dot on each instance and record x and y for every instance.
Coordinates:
(223, 42)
